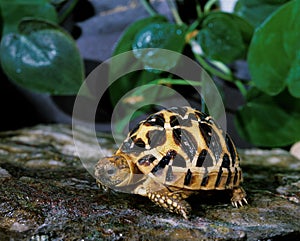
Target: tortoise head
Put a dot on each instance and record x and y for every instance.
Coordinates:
(113, 172)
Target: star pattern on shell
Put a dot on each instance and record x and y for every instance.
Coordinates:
(173, 154)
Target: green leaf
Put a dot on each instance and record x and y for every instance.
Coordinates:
(155, 36)
(269, 121)
(1, 24)
(224, 37)
(274, 53)
(14, 11)
(129, 81)
(127, 38)
(42, 57)
(256, 11)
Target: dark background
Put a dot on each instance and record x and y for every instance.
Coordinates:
(96, 26)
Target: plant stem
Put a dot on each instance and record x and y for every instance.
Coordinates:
(149, 7)
(241, 87)
(174, 11)
(176, 82)
(199, 10)
(211, 69)
(221, 75)
(208, 5)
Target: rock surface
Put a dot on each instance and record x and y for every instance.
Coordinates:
(47, 194)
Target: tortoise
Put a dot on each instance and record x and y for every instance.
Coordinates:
(171, 155)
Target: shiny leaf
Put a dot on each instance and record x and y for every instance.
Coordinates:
(159, 36)
(130, 80)
(42, 57)
(224, 37)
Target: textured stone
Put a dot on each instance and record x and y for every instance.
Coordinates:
(295, 150)
(56, 198)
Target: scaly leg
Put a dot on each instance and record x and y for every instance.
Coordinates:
(173, 202)
(238, 197)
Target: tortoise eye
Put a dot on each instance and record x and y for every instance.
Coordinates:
(111, 171)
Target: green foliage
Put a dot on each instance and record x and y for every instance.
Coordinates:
(256, 11)
(274, 56)
(133, 79)
(14, 11)
(158, 36)
(263, 32)
(269, 120)
(38, 57)
(274, 60)
(224, 37)
(129, 35)
(35, 52)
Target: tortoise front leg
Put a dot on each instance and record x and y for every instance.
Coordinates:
(238, 197)
(173, 202)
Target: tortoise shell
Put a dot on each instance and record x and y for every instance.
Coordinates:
(178, 151)
(184, 148)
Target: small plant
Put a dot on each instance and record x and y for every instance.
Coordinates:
(36, 53)
(265, 33)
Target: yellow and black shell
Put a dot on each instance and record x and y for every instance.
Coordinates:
(183, 148)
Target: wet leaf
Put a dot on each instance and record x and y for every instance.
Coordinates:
(125, 42)
(224, 37)
(155, 36)
(42, 57)
(128, 81)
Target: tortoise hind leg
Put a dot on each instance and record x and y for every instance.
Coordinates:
(238, 197)
(171, 201)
